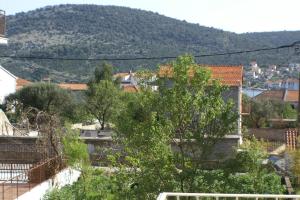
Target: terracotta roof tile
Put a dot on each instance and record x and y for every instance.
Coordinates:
(271, 95)
(291, 96)
(228, 75)
(73, 86)
(21, 83)
(130, 88)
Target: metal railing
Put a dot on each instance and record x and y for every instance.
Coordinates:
(216, 196)
(24, 182)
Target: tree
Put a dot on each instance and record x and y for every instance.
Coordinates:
(189, 115)
(261, 111)
(105, 73)
(102, 101)
(42, 96)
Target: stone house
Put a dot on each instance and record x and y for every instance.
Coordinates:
(232, 77)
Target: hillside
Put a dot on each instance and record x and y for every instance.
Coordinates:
(89, 31)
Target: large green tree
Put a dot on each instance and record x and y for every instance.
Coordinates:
(45, 97)
(168, 135)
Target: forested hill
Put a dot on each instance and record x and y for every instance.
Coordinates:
(90, 31)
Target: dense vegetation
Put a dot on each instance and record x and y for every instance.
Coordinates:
(192, 111)
(110, 31)
(262, 111)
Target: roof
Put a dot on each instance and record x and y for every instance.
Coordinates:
(291, 96)
(123, 74)
(21, 83)
(130, 88)
(271, 95)
(228, 75)
(73, 86)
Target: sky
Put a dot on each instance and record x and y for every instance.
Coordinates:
(231, 15)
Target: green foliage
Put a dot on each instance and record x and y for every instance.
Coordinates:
(106, 73)
(75, 150)
(264, 110)
(44, 97)
(102, 100)
(153, 177)
(93, 31)
(93, 185)
(186, 108)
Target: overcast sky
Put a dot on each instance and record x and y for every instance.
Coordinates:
(231, 15)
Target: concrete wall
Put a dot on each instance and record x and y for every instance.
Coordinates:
(268, 134)
(99, 148)
(65, 177)
(7, 84)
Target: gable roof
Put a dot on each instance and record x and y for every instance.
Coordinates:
(73, 86)
(228, 75)
(20, 83)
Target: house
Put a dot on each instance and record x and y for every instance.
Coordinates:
(283, 95)
(126, 78)
(288, 84)
(231, 76)
(255, 70)
(129, 81)
(9, 83)
(291, 84)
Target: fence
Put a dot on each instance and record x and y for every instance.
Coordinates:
(291, 136)
(211, 196)
(27, 152)
(24, 182)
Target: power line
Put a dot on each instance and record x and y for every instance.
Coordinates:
(149, 58)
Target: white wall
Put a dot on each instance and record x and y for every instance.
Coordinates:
(65, 177)
(7, 84)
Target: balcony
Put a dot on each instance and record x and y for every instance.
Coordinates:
(215, 196)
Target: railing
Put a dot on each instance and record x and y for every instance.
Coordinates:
(216, 196)
(9, 170)
(24, 182)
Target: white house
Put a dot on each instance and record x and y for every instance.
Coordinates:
(9, 83)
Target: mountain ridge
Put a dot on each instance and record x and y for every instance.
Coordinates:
(93, 31)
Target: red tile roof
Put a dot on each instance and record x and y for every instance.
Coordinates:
(21, 83)
(277, 95)
(73, 86)
(130, 88)
(291, 96)
(228, 75)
